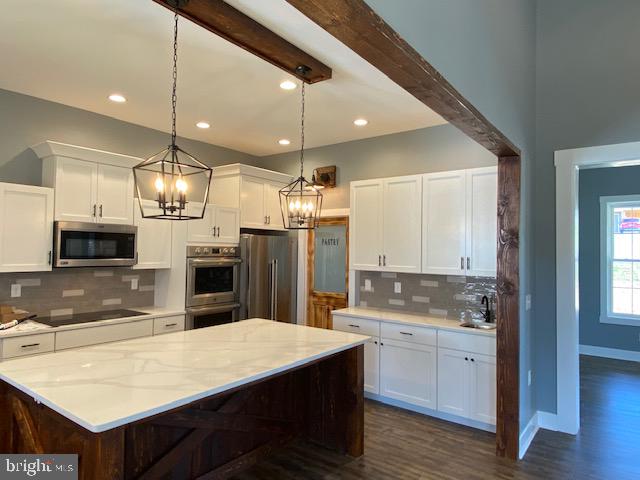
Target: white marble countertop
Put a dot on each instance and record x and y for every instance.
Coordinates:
(392, 316)
(109, 385)
(30, 327)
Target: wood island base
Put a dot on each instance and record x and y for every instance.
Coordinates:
(212, 438)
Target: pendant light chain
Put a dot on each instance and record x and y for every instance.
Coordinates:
(174, 96)
(302, 135)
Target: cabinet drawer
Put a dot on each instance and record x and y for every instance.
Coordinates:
(409, 333)
(469, 343)
(174, 323)
(27, 345)
(102, 334)
(356, 325)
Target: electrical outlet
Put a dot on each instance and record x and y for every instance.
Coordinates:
(527, 302)
(16, 290)
(367, 284)
(134, 284)
(397, 287)
(529, 378)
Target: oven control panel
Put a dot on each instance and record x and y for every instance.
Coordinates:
(206, 251)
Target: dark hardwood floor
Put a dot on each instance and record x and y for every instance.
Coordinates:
(404, 445)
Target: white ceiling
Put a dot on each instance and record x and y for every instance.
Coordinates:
(77, 52)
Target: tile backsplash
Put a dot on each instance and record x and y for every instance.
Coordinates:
(441, 295)
(77, 290)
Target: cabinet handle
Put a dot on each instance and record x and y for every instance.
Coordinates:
(473, 359)
(265, 219)
(384, 260)
(468, 263)
(29, 345)
(269, 219)
(94, 209)
(466, 359)
(101, 211)
(218, 231)
(379, 260)
(168, 325)
(49, 261)
(375, 342)
(354, 326)
(461, 263)
(406, 333)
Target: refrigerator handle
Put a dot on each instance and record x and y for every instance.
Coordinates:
(271, 291)
(275, 289)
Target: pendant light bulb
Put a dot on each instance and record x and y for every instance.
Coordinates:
(181, 185)
(159, 184)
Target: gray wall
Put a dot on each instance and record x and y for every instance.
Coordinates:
(26, 121)
(420, 151)
(486, 49)
(588, 72)
(594, 184)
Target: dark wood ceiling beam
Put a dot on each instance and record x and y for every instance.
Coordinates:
(236, 27)
(356, 25)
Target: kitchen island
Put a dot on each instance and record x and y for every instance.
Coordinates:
(196, 404)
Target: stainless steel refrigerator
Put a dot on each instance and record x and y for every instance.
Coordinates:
(268, 278)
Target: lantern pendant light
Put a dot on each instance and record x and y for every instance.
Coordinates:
(301, 201)
(172, 184)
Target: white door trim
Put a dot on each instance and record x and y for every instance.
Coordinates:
(302, 264)
(568, 163)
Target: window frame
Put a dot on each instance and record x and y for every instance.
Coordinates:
(607, 204)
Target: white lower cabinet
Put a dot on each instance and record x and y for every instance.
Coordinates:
(440, 370)
(372, 366)
(175, 323)
(467, 385)
(408, 372)
(103, 334)
(27, 345)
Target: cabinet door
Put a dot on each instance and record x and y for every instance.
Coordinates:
(252, 211)
(115, 194)
(365, 225)
(444, 223)
(76, 190)
(402, 224)
(372, 365)
(272, 206)
(482, 221)
(408, 372)
(453, 389)
(26, 228)
(227, 224)
(201, 231)
(154, 239)
(482, 388)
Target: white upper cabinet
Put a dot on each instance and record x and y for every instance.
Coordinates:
(154, 239)
(365, 225)
(76, 190)
(482, 221)
(385, 223)
(460, 222)
(443, 224)
(402, 219)
(254, 191)
(26, 228)
(219, 226)
(90, 185)
(115, 194)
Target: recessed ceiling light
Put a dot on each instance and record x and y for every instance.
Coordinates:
(360, 122)
(288, 85)
(202, 125)
(284, 141)
(116, 97)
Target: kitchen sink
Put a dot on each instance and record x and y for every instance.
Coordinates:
(479, 325)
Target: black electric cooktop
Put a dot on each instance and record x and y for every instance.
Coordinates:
(60, 320)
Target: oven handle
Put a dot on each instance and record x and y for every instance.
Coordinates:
(216, 262)
(227, 307)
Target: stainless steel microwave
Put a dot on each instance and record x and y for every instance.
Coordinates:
(80, 244)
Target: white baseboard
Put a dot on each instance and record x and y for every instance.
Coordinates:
(614, 353)
(528, 434)
(548, 421)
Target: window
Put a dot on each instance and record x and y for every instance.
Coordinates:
(620, 259)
